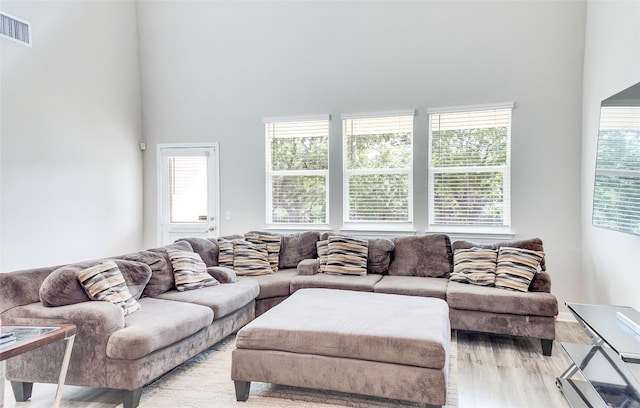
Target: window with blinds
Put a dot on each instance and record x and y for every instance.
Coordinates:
(616, 198)
(297, 161)
(378, 169)
(469, 171)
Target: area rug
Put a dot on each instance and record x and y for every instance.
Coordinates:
(205, 381)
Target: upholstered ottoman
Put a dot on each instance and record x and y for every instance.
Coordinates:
(377, 344)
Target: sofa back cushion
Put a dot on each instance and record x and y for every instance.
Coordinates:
(296, 247)
(426, 255)
(163, 280)
(207, 248)
(61, 287)
(534, 244)
(379, 257)
(22, 287)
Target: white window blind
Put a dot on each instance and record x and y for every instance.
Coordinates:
(187, 188)
(378, 169)
(297, 159)
(469, 170)
(616, 198)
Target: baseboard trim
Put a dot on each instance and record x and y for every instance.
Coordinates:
(566, 317)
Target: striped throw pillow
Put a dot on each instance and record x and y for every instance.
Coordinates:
(517, 268)
(225, 253)
(190, 271)
(105, 282)
(323, 252)
(476, 266)
(250, 259)
(347, 256)
(273, 243)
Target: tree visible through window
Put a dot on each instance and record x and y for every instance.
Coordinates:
(378, 168)
(297, 171)
(470, 167)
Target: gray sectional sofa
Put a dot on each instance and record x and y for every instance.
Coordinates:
(128, 352)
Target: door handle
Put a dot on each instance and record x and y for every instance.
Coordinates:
(211, 229)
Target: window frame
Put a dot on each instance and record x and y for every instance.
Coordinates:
(376, 225)
(270, 173)
(470, 230)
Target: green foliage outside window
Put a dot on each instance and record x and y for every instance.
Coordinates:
(466, 194)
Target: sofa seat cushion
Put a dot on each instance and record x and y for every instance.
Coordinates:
(222, 299)
(347, 282)
(463, 296)
(340, 323)
(274, 285)
(413, 286)
(158, 324)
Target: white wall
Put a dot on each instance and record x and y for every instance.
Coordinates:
(212, 70)
(71, 171)
(611, 270)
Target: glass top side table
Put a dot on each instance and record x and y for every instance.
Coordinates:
(607, 372)
(27, 338)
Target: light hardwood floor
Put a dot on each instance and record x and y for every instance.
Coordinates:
(510, 372)
(493, 372)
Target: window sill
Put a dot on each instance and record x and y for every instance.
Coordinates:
(473, 234)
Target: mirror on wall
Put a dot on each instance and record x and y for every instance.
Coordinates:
(616, 194)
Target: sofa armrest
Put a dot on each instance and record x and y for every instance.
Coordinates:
(95, 322)
(106, 315)
(308, 266)
(541, 283)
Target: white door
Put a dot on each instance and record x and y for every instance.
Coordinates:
(188, 191)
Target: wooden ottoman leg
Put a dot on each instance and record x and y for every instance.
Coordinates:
(242, 390)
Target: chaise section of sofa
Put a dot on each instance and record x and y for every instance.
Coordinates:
(422, 266)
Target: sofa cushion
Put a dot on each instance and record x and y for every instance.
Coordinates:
(221, 299)
(517, 267)
(225, 254)
(476, 266)
(348, 282)
(104, 282)
(379, 256)
(250, 259)
(322, 247)
(162, 280)
(61, 287)
(222, 274)
(534, 244)
(296, 247)
(158, 324)
(426, 255)
(495, 300)
(273, 285)
(412, 286)
(161, 272)
(272, 243)
(189, 271)
(347, 256)
(207, 248)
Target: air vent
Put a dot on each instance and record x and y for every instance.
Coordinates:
(15, 29)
